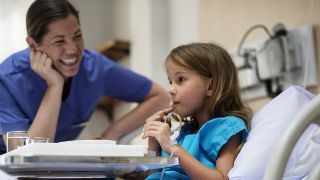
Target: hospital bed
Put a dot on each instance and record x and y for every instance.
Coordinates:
(284, 142)
(280, 155)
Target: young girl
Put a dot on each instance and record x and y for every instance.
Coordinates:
(204, 86)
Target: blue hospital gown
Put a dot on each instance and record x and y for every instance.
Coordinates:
(204, 145)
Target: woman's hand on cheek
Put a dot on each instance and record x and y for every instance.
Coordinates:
(41, 63)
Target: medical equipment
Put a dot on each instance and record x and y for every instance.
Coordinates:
(269, 60)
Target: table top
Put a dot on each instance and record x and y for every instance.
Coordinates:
(81, 166)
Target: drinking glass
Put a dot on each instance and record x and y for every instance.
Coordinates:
(39, 140)
(17, 139)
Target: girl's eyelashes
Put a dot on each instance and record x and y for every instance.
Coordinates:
(181, 80)
(177, 80)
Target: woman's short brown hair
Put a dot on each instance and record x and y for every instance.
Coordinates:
(43, 12)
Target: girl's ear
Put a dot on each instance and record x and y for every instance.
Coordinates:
(32, 43)
(209, 88)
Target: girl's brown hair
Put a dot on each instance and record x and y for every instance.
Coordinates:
(213, 61)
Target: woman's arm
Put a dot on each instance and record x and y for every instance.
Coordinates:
(46, 119)
(156, 99)
(224, 163)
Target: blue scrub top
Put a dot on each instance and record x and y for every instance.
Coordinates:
(21, 92)
(204, 145)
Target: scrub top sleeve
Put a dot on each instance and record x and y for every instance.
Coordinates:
(215, 133)
(126, 85)
(11, 116)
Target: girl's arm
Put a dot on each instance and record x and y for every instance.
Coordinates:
(196, 170)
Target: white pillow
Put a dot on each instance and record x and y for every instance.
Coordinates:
(267, 127)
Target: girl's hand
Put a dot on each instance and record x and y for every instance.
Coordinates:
(156, 128)
(41, 63)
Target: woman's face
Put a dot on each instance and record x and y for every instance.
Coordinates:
(189, 91)
(64, 45)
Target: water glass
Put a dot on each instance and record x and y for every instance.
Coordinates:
(17, 139)
(39, 140)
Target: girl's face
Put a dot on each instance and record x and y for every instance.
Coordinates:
(64, 45)
(190, 92)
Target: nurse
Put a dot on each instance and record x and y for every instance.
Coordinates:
(51, 88)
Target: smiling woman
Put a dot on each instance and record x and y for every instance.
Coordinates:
(63, 43)
(51, 88)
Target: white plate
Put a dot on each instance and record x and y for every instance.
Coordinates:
(98, 141)
(82, 149)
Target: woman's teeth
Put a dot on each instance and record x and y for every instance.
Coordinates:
(68, 62)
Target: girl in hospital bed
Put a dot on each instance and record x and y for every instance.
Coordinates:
(204, 86)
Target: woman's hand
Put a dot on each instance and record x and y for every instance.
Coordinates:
(156, 128)
(41, 63)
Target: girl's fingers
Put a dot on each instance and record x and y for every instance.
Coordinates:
(160, 135)
(155, 125)
(155, 117)
(153, 134)
(160, 127)
(165, 111)
(159, 115)
(152, 127)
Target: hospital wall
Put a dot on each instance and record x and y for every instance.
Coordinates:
(226, 21)
(154, 27)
